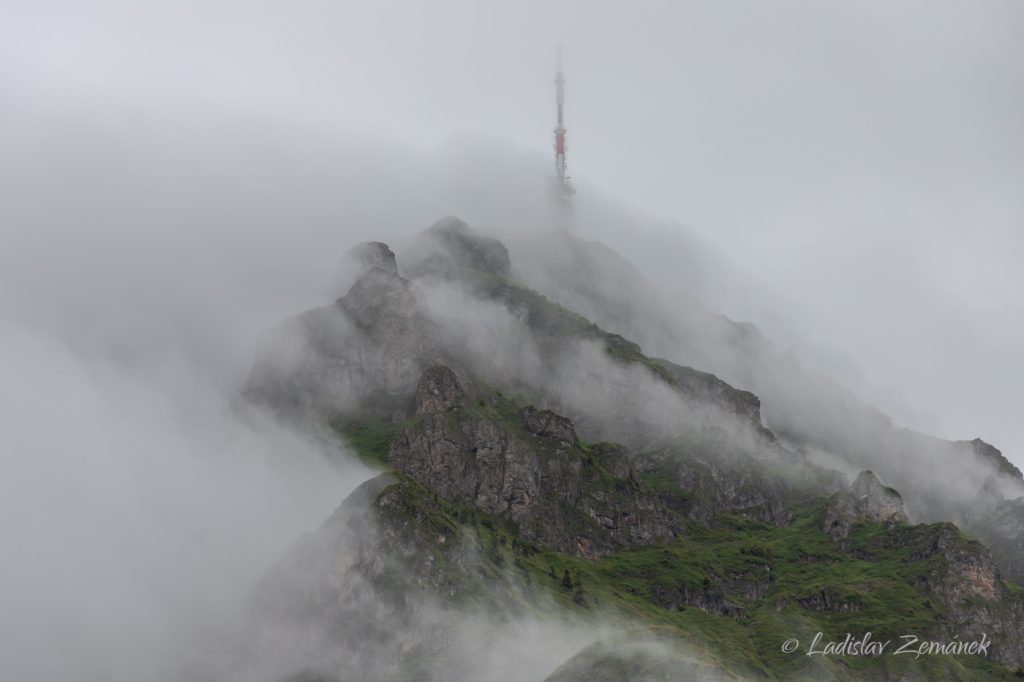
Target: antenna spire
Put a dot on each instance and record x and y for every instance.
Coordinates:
(565, 188)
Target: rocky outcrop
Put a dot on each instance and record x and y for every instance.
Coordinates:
(478, 264)
(547, 424)
(368, 595)
(374, 341)
(451, 244)
(991, 455)
(380, 297)
(539, 478)
(866, 500)
(368, 255)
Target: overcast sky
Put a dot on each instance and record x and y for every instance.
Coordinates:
(864, 161)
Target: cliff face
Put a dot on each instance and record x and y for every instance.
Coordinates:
(567, 470)
(527, 467)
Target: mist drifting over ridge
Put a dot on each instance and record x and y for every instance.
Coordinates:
(165, 200)
(800, 178)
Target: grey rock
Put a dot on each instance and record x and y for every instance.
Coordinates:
(377, 339)
(374, 255)
(450, 244)
(556, 494)
(866, 500)
(547, 424)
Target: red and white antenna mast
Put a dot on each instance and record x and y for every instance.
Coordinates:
(565, 188)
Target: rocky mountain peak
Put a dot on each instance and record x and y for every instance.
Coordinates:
(993, 455)
(368, 255)
(379, 293)
(865, 500)
(450, 244)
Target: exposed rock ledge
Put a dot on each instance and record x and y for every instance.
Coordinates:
(866, 500)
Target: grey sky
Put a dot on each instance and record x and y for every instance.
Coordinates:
(863, 163)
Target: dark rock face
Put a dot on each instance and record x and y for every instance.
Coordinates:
(374, 255)
(541, 481)
(450, 244)
(866, 500)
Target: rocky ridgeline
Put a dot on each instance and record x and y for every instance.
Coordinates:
(462, 453)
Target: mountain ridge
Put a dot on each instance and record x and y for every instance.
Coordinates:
(696, 468)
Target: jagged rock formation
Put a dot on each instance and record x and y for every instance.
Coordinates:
(374, 255)
(866, 500)
(991, 455)
(451, 244)
(377, 339)
(539, 478)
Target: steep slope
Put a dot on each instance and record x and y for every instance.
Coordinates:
(802, 407)
(553, 470)
(378, 591)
